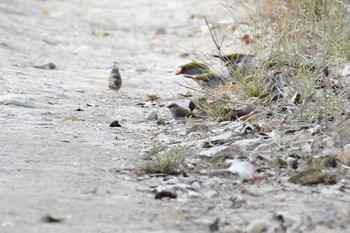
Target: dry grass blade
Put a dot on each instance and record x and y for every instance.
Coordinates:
(214, 37)
(171, 162)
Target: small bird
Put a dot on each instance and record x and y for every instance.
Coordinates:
(273, 86)
(233, 57)
(193, 68)
(180, 113)
(114, 79)
(280, 85)
(199, 103)
(238, 64)
(207, 80)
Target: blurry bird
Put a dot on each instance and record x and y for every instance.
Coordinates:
(238, 64)
(206, 80)
(114, 79)
(199, 103)
(274, 85)
(280, 84)
(193, 68)
(179, 112)
(232, 58)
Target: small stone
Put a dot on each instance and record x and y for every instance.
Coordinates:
(163, 194)
(196, 185)
(115, 124)
(153, 116)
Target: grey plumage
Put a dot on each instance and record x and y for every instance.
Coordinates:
(115, 80)
(207, 80)
(193, 68)
(179, 112)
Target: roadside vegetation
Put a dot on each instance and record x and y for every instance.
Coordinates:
(294, 81)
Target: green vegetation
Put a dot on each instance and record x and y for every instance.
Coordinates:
(170, 162)
(307, 42)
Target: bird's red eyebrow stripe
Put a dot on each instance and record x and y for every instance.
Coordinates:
(180, 71)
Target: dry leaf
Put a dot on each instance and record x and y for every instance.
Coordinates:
(246, 39)
(115, 124)
(160, 31)
(187, 94)
(152, 96)
(52, 219)
(45, 12)
(254, 179)
(71, 118)
(207, 144)
(251, 118)
(162, 194)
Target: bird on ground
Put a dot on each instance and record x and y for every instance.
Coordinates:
(237, 64)
(207, 80)
(180, 113)
(278, 88)
(233, 57)
(193, 68)
(273, 85)
(199, 103)
(114, 79)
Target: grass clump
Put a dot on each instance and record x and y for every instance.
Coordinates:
(170, 162)
(155, 150)
(300, 48)
(307, 42)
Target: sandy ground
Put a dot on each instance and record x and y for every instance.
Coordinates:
(60, 161)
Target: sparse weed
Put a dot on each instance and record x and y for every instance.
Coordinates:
(171, 162)
(155, 151)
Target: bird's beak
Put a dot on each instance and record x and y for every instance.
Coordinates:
(169, 106)
(180, 71)
(111, 85)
